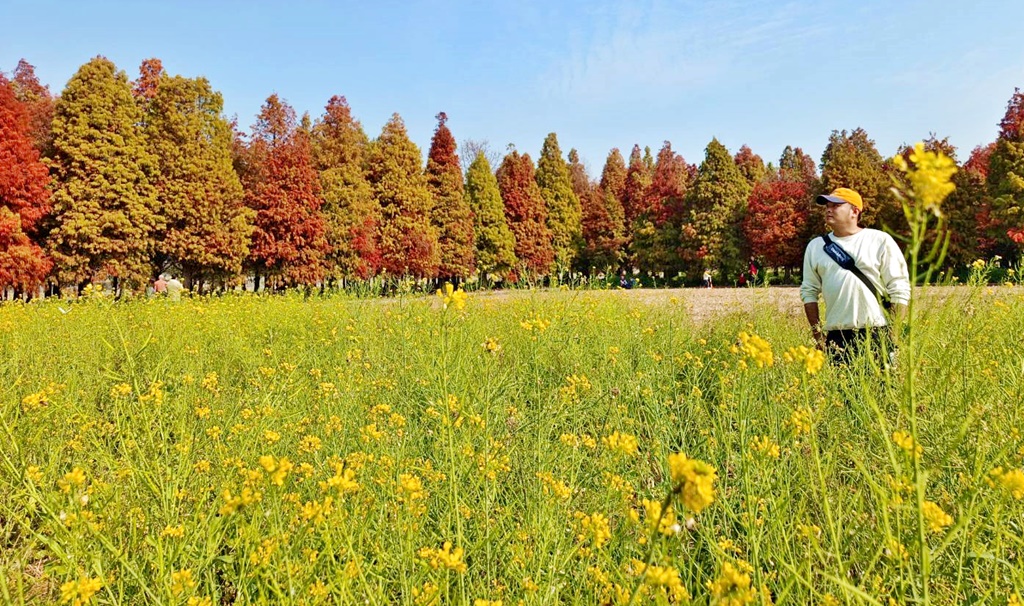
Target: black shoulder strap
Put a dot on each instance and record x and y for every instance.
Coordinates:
(851, 267)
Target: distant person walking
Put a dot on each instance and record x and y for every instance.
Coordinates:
(174, 288)
(160, 286)
(707, 278)
(850, 269)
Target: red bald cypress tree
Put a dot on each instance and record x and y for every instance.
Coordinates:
(603, 228)
(777, 213)
(972, 190)
(408, 241)
(150, 72)
(451, 216)
(656, 231)
(634, 191)
(351, 212)
(39, 104)
(282, 187)
(1006, 177)
(526, 215)
(24, 197)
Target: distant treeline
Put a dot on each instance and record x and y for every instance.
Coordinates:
(121, 180)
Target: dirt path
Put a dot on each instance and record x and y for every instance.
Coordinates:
(702, 303)
(706, 304)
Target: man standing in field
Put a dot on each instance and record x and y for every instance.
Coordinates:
(853, 268)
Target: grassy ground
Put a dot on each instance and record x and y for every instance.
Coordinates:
(281, 450)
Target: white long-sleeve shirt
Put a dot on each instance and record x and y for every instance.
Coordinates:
(848, 302)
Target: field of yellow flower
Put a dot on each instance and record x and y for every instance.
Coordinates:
(556, 448)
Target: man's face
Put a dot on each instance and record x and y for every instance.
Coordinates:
(841, 215)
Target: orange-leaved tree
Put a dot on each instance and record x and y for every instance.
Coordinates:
(207, 226)
(526, 215)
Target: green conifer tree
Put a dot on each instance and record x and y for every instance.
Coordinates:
(104, 201)
(562, 203)
(495, 244)
(716, 202)
(852, 160)
(409, 243)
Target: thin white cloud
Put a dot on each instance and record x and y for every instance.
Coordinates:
(658, 52)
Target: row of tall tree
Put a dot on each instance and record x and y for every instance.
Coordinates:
(124, 179)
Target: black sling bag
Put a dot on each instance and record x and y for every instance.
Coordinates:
(843, 258)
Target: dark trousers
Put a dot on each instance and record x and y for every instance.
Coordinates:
(844, 345)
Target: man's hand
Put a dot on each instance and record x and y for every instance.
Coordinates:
(813, 318)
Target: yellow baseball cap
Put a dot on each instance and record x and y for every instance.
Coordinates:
(842, 195)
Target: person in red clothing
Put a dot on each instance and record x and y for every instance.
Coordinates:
(160, 286)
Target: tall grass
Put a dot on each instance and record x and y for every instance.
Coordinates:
(331, 450)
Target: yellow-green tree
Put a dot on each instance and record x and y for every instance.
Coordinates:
(495, 244)
(207, 226)
(852, 160)
(104, 202)
(562, 203)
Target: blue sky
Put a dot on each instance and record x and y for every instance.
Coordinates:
(600, 74)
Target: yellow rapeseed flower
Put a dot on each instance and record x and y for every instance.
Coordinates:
(1012, 481)
(694, 480)
(121, 390)
(621, 443)
(32, 473)
(491, 345)
(906, 442)
(181, 581)
(199, 601)
(813, 359)
(447, 556)
(318, 590)
(232, 504)
(765, 446)
(175, 532)
(80, 592)
(935, 517)
(800, 420)
(732, 587)
(668, 524)
(755, 348)
(665, 578)
(309, 444)
(75, 477)
(343, 480)
(450, 296)
(594, 528)
(929, 175)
